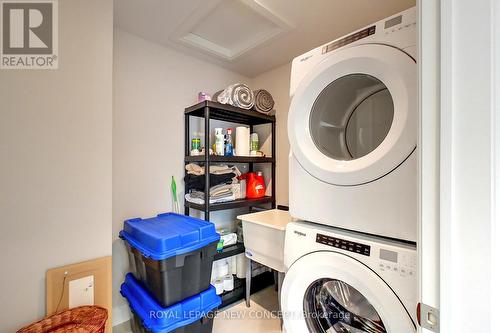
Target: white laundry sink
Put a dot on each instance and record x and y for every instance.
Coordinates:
(264, 237)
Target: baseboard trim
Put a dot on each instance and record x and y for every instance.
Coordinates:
(121, 314)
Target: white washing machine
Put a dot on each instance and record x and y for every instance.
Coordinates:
(353, 127)
(347, 282)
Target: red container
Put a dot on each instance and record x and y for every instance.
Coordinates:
(256, 188)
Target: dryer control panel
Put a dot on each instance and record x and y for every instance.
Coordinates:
(349, 39)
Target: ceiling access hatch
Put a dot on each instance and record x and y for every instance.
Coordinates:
(230, 28)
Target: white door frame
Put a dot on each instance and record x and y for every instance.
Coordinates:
(495, 234)
(428, 62)
(460, 161)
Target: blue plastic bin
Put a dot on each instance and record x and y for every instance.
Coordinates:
(192, 315)
(171, 255)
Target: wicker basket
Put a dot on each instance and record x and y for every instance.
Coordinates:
(83, 319)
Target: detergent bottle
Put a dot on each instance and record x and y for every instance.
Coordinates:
(256, 188)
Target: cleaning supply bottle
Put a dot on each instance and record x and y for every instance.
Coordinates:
(256, 187)
(228, 151)
(219, 142)
(254, 143)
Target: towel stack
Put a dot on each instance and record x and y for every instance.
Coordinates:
(223, 178)
(240, 95)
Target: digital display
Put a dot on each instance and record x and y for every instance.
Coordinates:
(349, 39)
(343, 244)
(389, 255)
(393, 21)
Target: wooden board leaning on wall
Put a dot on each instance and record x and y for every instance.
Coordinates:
(58, 280)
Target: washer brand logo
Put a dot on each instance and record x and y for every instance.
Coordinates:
(306, 58)
(29, 33)
(298, 233)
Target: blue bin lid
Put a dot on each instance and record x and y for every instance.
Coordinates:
(168, 235)
(161, 320)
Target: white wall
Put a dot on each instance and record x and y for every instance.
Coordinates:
(55, 152)
(152, 86)
(277, 82)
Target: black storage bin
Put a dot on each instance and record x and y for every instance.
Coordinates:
(171, 255)
(192, 315)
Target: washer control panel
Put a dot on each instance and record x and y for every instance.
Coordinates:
(343, 244)
(402, 264)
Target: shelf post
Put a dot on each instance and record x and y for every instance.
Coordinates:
(250, 165)
(273, 165)
(187, 152)
(207, 163)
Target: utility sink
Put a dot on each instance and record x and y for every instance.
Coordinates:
(264, 237)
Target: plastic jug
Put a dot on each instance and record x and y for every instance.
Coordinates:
(256, 188)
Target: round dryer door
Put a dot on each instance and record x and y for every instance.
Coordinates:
(328, 292)
(353, 118)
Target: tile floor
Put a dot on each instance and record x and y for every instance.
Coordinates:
(238, 318)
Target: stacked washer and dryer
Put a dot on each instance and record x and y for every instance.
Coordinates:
(353, 126)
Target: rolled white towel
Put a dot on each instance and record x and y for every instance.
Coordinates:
(239, 95)
(264, 102)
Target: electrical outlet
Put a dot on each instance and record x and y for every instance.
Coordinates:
(81, 291)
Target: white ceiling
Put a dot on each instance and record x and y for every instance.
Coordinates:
(221, 31)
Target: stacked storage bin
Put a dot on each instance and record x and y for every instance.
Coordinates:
(170, 259)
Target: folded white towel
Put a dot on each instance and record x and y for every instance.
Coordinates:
(200, 201)
(195, 169)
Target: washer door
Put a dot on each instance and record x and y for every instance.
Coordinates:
(353, 118)
(328, 292)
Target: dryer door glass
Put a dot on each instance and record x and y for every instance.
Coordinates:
(351, 117)
(334, 306)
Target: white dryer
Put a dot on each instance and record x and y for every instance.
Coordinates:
(347, 282)
(353, 127)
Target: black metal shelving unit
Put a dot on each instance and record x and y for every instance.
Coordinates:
(215, 111)
(230, 251)
(259, 282)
